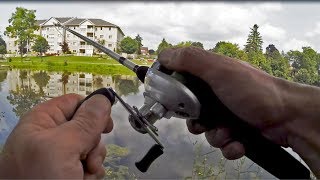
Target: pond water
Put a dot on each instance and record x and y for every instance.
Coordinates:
(185, 155)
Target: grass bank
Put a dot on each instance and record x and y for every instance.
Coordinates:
(104, 65)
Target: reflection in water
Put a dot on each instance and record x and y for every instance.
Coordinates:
(186, 156)
(3, 76)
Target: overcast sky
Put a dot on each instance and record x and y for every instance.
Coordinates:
(288, 25)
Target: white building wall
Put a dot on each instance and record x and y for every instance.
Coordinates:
(54, 36)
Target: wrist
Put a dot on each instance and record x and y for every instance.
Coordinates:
(302, 104)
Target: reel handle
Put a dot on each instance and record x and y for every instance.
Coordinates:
(270, 156)
(154, 152)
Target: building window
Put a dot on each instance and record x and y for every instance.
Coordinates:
(47, 29)
(74, 51)
(74, 27)
(74, 43)
(59, 35)
(110, 36)
(101, 36)
(109, 45)
(101, 28)
(68, 35)
(109, 28)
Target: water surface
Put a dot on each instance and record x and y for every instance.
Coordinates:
(185, 155)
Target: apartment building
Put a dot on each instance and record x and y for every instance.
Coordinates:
(95, 29)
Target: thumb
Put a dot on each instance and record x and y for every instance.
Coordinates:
(90, 120)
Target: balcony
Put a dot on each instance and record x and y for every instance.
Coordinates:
(85, 47)
(90, 30)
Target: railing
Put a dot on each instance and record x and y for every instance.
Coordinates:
(85, 47)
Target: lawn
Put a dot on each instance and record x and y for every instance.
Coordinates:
(104, 65)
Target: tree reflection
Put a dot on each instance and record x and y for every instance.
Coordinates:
(24, 98)
(112, 163)
(3, 76)
(97, 82)
(125, 85)
(64, 80)
(41, 78)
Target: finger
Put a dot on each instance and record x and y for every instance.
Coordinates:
(89, 122)
(194, 127)
(233, 150)
(99, 175)
(109, 126)
(95, 159)
(218, 137)
(183, 59)
(59, 109)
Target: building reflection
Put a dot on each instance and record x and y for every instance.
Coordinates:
(53, 84)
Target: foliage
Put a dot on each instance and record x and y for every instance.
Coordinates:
(253, 48)
(197, 44)
(102, 42)
(42, 79)
(183, 44)
(129, 45)
(3, 76)
(254, 41)
(41, 45)
(65, 79)
(3, 46)
(24, 97)
(163, 45)
(139, 39)
(151, 52)
(126, 86)
(305, 65)
(65, 47)
(22, 25)
(280, 66)
(113, 167)
(230, 50)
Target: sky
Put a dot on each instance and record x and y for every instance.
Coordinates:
(287, 25)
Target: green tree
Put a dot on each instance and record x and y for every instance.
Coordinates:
(230, 50)
(41, 45)
(42, 79)
(65, 47)
(197, 44)
(254, 41)
(129, 45)
(253, 48)
(22, 25)
(163, 45)
(305, 65)
(102, 42)
(183, 44)
(3, 46)
(139, 39)
(280, 66)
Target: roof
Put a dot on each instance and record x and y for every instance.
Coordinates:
(69, 21)
(63, 19)
(38, 22)
(100, 22)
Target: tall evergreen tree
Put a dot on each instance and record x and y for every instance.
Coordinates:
(163, 45)
(254, 41)
(253, 48)
(139, 39)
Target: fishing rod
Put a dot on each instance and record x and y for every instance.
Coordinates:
(182, 95)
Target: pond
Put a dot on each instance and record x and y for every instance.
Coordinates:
(185, 155)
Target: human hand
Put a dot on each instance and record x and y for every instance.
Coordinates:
(248, 92)
(45, 144)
